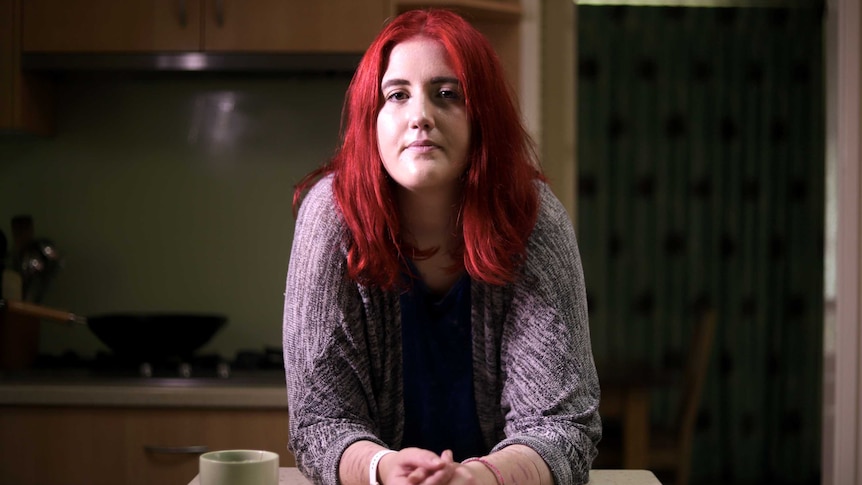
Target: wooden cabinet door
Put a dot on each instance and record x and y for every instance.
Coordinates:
(131, 446)
(337, 26)
(25, 100)
(51, 445)
(100, 26)
(9, 70)
(162, 444)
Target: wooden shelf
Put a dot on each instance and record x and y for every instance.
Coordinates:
(470, 9)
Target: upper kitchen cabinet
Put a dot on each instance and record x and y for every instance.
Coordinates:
(498, 20)
(25, 100)
(477, 9)
(292, 25)
(99, 26)
(142, 26)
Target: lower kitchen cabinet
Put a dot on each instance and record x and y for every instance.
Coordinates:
(58, 445)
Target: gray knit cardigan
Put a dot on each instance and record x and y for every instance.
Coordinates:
(533, 371)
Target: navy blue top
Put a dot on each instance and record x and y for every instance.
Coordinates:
(439, 407)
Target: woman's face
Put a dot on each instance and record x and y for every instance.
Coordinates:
(423, 133)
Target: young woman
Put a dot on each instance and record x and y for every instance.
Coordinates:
(435, 321)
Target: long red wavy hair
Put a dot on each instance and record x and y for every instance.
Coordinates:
(499, 198)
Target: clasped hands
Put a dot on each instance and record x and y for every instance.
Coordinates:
(416, 466)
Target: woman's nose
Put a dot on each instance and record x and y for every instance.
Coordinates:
(421, 113)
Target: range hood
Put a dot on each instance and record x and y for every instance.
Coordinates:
(191, 61)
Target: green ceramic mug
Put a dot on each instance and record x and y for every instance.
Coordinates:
(239, 467)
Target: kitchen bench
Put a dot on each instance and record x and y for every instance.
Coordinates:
(291, 476)
(119, 394)
(70, 389)
(79, 430)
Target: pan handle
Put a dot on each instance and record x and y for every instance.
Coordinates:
(177, 450)
(33, 310)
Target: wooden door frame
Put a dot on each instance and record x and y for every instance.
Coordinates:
(842, 427)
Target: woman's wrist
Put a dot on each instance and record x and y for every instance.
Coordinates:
(484, 474)
(536, 471)
(509, 466)
(354, 468)
(373, 475)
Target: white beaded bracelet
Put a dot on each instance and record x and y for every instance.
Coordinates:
(372, 468)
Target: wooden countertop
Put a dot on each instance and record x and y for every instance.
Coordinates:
(291, 476)
(269, 392)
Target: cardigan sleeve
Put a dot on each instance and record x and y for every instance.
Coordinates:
(326, 355)
(550, 393)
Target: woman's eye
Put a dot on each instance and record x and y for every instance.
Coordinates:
(450, 94)
(397, 96)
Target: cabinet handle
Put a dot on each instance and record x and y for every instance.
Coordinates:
(182, 13)
(219, 12)
(177, 450)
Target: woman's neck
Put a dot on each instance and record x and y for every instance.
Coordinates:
(429, 222)
(429, 219)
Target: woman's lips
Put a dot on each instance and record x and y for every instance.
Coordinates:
(423, 146)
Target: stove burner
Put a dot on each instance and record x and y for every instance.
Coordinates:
(207, 366)
(185, 370)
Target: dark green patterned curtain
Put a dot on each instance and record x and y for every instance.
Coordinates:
(701, 181)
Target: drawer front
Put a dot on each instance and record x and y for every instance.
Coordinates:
(95, 446)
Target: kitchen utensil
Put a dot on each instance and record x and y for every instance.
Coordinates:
(142, 336)
(155, 335)
(39, 263)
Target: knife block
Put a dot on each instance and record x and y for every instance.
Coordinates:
(19, 340)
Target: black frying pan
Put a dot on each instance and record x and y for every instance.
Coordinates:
(138, 335)
(155, 335)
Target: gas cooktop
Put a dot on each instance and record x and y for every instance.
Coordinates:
(265, 365)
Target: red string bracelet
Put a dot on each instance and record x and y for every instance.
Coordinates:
(489, 466)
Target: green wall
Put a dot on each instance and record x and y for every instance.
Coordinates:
(171, 193)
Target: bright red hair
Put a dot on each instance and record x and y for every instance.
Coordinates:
(499, 197)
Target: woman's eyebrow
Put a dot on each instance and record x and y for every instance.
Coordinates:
(434, 80)
(393, 82)
(444, 80)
